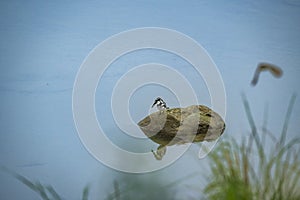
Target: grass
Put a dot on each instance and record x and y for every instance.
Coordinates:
(249, 170)
(127, 186)
(45, 192)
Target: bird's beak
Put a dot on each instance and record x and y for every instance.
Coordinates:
(153, 104)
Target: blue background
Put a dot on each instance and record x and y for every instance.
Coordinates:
(44, 43)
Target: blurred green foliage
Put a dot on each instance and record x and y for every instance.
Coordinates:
(249, 171)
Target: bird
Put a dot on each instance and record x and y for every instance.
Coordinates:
(263, 66)
(160, 104)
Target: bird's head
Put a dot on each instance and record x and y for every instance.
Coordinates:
(156, 100)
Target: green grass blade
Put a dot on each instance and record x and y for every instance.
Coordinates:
(117, 190)
(287, 119)
(85, 193)
(54, 194)
(42, 191)
(252, 125)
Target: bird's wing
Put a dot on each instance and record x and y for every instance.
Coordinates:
(273, 69)
(255, 77)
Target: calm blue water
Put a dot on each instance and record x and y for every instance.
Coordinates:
(44, 44)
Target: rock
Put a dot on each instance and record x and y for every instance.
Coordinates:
(195, 123)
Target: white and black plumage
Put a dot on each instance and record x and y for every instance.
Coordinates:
(160, 104)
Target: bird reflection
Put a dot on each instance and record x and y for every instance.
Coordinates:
(275, 71)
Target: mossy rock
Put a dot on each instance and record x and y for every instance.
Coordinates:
(195, 123)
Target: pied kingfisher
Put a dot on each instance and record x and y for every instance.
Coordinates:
(161, 105)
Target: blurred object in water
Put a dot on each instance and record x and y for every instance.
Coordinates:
(275, 71)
